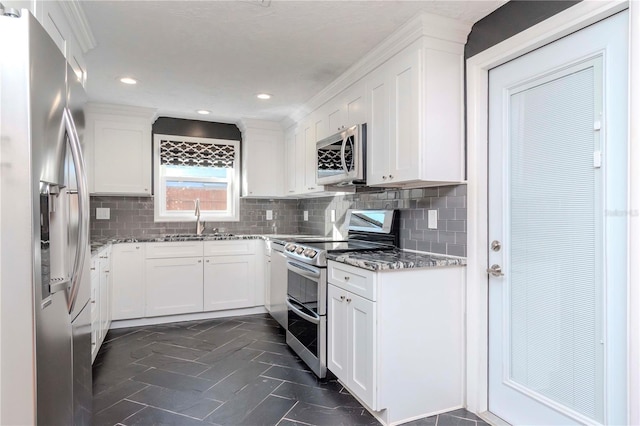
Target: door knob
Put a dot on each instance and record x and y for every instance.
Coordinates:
(495, 270)
(495, 245)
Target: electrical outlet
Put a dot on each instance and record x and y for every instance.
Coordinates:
(269, 215)
(333, 216)
(432, 219)
(305, 215)
(103, 213)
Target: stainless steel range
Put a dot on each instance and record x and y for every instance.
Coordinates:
(307, 280)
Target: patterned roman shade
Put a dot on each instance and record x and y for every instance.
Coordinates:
(183, 153)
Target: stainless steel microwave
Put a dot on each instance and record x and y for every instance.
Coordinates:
(341, 158)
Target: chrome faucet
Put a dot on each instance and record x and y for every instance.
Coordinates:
(199, 225)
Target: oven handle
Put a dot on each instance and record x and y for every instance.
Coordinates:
(303, 270)
(291, 303)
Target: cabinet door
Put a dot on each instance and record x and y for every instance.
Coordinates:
(355, 108)
(127, 281)
(335, 116)
(378, 128)
(262, 170)
(309, 142)
(229, 282)
(105, 296)
(290, 163)
(95, 306)
(362, 348)
(404, 150)
(122, 158)
(337, 330)
(173, 286)
(267, 283)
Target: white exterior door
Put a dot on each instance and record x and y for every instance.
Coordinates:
(557, 168)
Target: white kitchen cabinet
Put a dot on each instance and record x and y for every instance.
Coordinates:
(262, 158)
(128, 281)
(173, 286)
(230, 279)
(347, 109)
(119, 154)
(267, 277)
(100, 299)
(291, 164)
(415, 107)
(379, 353)
(229, 282)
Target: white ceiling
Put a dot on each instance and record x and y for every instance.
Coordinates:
(217, 55)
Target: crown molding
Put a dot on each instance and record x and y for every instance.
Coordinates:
(251, 123)
(424, 26)
(129, 111)
(72, 10)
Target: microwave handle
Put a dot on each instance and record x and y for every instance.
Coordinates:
(343, 150)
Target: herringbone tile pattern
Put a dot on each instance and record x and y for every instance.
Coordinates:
(230, 371)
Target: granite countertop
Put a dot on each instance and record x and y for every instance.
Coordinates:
(384, 260)
(96, 245)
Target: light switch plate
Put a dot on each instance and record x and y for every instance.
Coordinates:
(269, 215)
(305, 215)
(432, 219)
(103, 213)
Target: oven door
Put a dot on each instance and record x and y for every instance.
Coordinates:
(306, 320)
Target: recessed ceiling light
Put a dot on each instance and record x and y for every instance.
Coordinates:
(128, 80)
(264, 96)
(203, 111)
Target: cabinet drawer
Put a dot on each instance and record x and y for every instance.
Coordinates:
(177, 249)
(355, 280)
(227, 247)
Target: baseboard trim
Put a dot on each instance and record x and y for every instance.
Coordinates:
(139, 322)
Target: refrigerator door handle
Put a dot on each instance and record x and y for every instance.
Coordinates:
(83, 207)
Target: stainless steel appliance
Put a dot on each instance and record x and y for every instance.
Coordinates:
(44, 224)
(307, 280)
(341, 158)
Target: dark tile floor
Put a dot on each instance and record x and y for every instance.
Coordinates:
(229, 371)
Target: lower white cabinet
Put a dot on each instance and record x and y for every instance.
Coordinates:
(351, 348)
(229, 282)
(128, 280)
(173, 286)
(396, 334)
(100, 300)
(168, 278)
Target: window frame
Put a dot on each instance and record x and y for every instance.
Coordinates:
(160, 214)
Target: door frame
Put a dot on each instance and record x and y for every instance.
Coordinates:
(477, 78)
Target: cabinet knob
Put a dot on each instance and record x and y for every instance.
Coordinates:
(346, 278)
(341, 297)
(207, 260)
(137, 247)
(106, 271)
(146, 190)
(348, 300)
(93, 301)
(93, 269)
(384, 177)
(390, 176)
(199, 261)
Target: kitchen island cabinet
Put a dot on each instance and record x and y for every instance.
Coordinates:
(395, 334)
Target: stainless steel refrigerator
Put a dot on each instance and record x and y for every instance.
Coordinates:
(44, 236)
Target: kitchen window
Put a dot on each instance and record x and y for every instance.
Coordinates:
(189, 168)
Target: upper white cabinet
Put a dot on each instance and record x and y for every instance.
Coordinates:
(300, 157)
(409, 92)
(262, 157)
(415, 128)
(118, 149)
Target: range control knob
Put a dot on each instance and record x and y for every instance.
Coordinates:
(299, 250)
(290, 247)
(312, 253)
